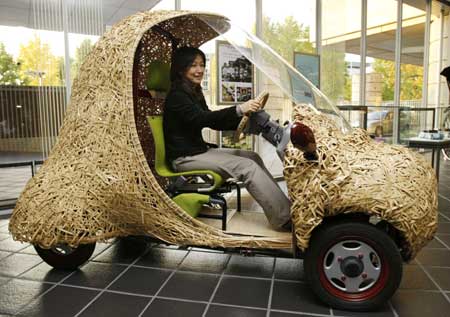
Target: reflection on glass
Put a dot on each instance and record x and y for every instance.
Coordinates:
(340, 60)
(246, 17)
(380, 62)
(292, 83)
(411, 69)
(34, 92)
(244, 12)
(437, 88)
(227, 141)
(33, 87)
(289, 31)
(380, 65)
(286, 32)
(165, 5)
(83, 45)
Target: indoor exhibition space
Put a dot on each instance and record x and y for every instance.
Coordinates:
(185, 158)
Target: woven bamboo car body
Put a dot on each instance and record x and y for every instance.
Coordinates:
(98, 181)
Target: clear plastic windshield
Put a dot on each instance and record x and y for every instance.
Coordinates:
(293, 84)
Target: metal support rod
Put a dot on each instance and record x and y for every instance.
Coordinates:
(426, 55)
(319, 30)
(238, 198)
(33, 166)
(398, 54)
(66, 50)
(441, 55)
(259, 13)
(258, 33)
(363, 51)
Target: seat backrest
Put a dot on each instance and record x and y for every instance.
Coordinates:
(158, 77)
(156, 124)
(161, 166)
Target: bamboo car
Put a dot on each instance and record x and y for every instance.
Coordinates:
(359, 208)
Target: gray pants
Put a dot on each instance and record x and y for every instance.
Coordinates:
(248, 167)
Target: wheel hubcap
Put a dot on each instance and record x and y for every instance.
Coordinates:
(352, 266)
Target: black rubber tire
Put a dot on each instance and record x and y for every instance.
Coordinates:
(331, 233)
(69, 261)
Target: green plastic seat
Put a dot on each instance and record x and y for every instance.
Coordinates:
(191, 203)
(158, 81)
(161, 166)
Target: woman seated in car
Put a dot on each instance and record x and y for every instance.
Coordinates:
(186, 114)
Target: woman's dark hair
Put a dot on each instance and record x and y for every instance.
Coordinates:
(182, 59)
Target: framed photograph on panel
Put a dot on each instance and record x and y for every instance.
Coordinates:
(234, 75)
(226, 140)
(309, 65)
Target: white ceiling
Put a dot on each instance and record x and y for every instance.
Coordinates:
(22, 12)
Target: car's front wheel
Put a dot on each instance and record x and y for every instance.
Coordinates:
(353, 265)
(63, 256)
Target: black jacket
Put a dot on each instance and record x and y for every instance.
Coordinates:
(184, 118)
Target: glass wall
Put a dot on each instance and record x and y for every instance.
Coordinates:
(438, 92)
(380, 67)
(445, 58)
(165, 5)
(34, 95)
(380, 54)
(340, 60)
(411, 66)
(287, 32)
(412, 49)
(34, 91)
(245, 16)
(38, 62)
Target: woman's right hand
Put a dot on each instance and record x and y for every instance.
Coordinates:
(250, 106)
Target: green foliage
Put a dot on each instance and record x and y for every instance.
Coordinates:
(387, 70)
(38, 63)
(347, 85)
(80, 55)
(287, 37)
(62, 69)
(9, 69)
(411, 80)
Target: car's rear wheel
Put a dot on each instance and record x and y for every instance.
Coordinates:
(63, 256)
(353, 265)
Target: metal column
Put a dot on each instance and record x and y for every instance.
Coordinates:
(398, 54)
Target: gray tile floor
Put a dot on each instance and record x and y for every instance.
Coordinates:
(14, 179)
(133, 277)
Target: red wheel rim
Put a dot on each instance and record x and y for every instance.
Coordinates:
(371, 292)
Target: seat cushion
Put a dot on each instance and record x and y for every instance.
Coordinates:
(191, 203)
